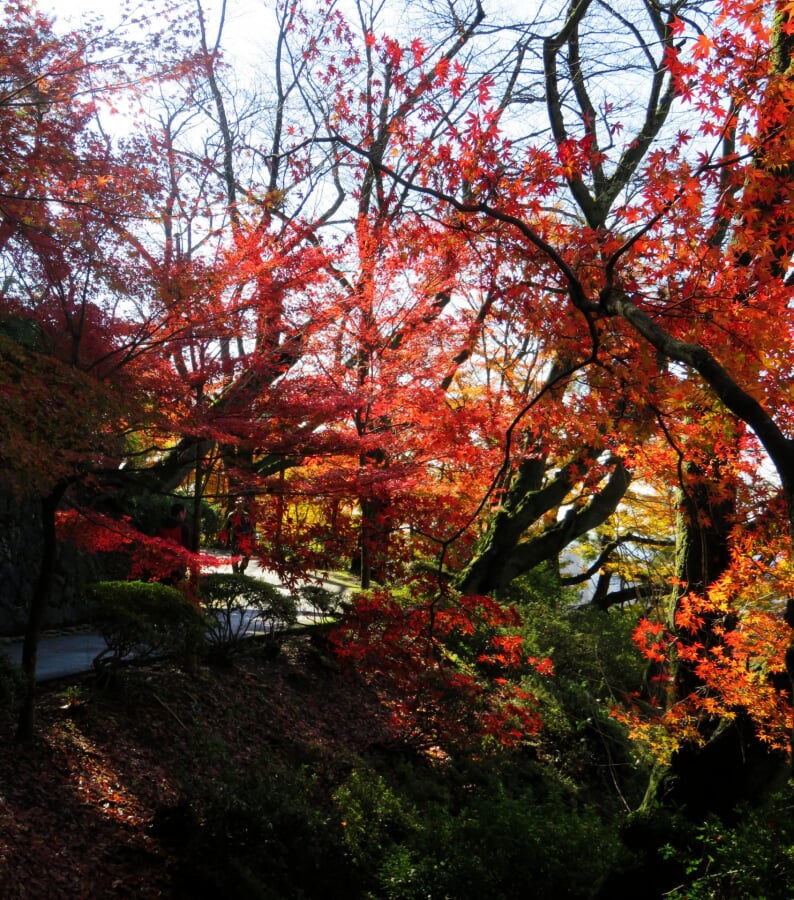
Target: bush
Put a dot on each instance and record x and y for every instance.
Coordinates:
(595, 662)
(266, 834)
(374, 817)
(138, 619)
(237, 605)
(753, 858)
(325, 604)
(505, 834)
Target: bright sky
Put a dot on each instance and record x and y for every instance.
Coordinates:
(246, 29)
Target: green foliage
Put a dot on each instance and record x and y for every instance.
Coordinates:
(500, 832)
(140, 618)
(212, 516)
(374, 818)
(326, 604)
(753, 859)
(237, 604)
(266, 834)
(595, 663)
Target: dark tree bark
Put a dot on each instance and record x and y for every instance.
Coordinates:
(507, 552)
(38, 605)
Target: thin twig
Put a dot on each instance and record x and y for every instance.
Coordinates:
(167, 708)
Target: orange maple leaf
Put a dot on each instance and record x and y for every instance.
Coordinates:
(703, 47)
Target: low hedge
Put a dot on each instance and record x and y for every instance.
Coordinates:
(239, 605)
(138, 619)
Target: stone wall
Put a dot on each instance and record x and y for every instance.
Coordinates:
(20, 559)
(20, 556)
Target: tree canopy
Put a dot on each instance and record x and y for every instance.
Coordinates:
(450, 293)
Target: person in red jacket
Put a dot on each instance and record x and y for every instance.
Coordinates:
(241, 536)
(175, 529)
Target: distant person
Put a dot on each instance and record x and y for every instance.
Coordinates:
(175, 529)
(240, 536)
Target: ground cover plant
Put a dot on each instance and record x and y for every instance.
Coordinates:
(277, 777)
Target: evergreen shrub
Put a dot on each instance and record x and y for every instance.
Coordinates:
(504, 834)
(752, 857)
(325, 604)
(237, 605)
(266, 834)
(138, 619)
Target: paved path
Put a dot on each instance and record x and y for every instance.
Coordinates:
(73, 651)
(61, 654)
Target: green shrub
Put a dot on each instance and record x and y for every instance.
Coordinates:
(753, 859)
(140, 618)
(325, 604)
(467, 833)
(268, 833)
(237, 605)
(375, 819)
(595, 662)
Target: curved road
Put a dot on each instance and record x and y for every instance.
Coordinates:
(72, 651)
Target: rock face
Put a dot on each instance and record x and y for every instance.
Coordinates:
(20, 559)
(20, 556)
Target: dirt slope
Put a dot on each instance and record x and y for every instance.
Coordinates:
(80, 806)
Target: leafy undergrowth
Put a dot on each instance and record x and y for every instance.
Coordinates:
(82, 807)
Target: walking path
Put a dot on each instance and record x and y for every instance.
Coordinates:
(59, 654)
(72, 651)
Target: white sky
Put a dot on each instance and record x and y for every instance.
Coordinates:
(247, 25)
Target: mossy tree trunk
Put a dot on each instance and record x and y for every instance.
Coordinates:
(733, 764)
(511, 547)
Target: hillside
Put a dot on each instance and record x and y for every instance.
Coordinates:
(92, 807)
(275, 777)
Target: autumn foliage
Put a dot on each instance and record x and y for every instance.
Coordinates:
(448, 667)
(732, 643)
(425, 316)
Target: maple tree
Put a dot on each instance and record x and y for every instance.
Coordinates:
(238, 277)
(211, 289)
(450, 306)
(374, 358)
(408, 346)
(417, 79)
(75, 385)
(625, 287)
(649, 226)
(425, 314)
(441, 693)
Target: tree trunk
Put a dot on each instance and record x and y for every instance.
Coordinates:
(506, 552)
(733, 765)
(41, 597)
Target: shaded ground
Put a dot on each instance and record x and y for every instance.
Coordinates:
(80, 806)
